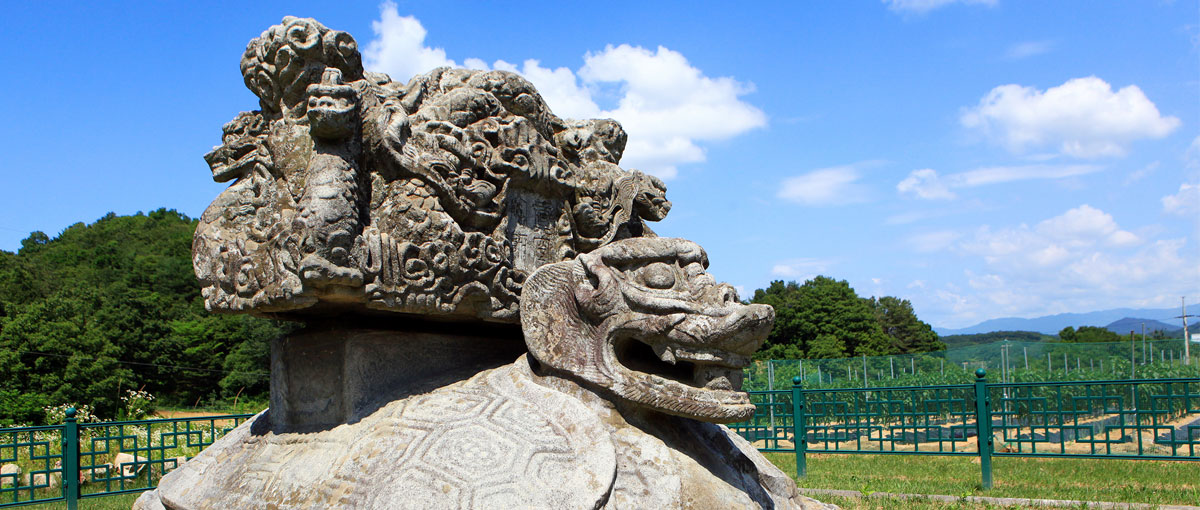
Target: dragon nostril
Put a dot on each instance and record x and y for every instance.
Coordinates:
(727, 295)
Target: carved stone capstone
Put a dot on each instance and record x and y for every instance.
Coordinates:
(436, 197)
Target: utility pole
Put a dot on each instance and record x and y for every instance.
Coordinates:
(1187, 341)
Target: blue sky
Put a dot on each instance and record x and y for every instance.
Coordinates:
(980, 158)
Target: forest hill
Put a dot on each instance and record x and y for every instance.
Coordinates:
(113, 306)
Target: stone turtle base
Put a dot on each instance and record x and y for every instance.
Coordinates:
(506, 438)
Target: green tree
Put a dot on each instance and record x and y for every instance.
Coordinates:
(823, 318)
(953, 341)
(906, 332)
(1088, 334)
(114, 306)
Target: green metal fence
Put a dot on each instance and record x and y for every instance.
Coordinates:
(72, 461)
(1129, 419)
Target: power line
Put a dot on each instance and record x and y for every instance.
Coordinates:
(123, 362)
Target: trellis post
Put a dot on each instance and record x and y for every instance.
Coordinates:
(70, 464)
(799, 432)
(983, 426)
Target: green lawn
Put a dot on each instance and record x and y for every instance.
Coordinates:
(118, 502)
(1129, 481)
(901, 504)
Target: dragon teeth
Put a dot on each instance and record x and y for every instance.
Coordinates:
(665, 353)
(718, 378)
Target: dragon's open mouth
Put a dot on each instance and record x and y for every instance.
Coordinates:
(234, 160)
(700, 368)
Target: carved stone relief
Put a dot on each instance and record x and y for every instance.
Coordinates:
(438, 196)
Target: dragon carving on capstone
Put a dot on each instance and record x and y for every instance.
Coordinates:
(435, 197)
(642, 320)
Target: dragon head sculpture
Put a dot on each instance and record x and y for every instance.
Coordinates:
(243, 149)
(641, 319)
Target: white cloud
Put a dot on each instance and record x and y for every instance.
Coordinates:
(399, 46)
(923, 6)
(913, 216)
(1085, 225)
(1001, 174)
(1079, 260)
(1027, 49)
(1082, 118)
(802, 269)
(560, 88)
(1141, 173)
(930, 242)
(927, 184)
(1052, 242)
(1184, 203)
(826, 186)
(668, 107)
(986, 281)
(1191, 157)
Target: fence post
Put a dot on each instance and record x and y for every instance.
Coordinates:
(983, 426)
(799, 430)
(70, 464)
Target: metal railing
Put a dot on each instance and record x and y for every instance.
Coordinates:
(1129, 419)
(74, 460)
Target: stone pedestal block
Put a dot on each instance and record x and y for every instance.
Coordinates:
(322, 378)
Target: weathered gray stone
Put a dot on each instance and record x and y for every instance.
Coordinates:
(588, 424)
(128, 465)
(429, 234)
(324, 377)
(505, 438)
(641, 319)
(436, 197)
(9, 474)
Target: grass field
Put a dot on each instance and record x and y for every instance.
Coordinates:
(118, 502)
(901, 504)
(1129, 481)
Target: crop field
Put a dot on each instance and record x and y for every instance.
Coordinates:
(1004, 362)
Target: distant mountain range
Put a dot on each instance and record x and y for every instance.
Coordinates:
(1052, 324)
(1124, 326)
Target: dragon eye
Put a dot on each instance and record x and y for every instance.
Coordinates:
(658, 276)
